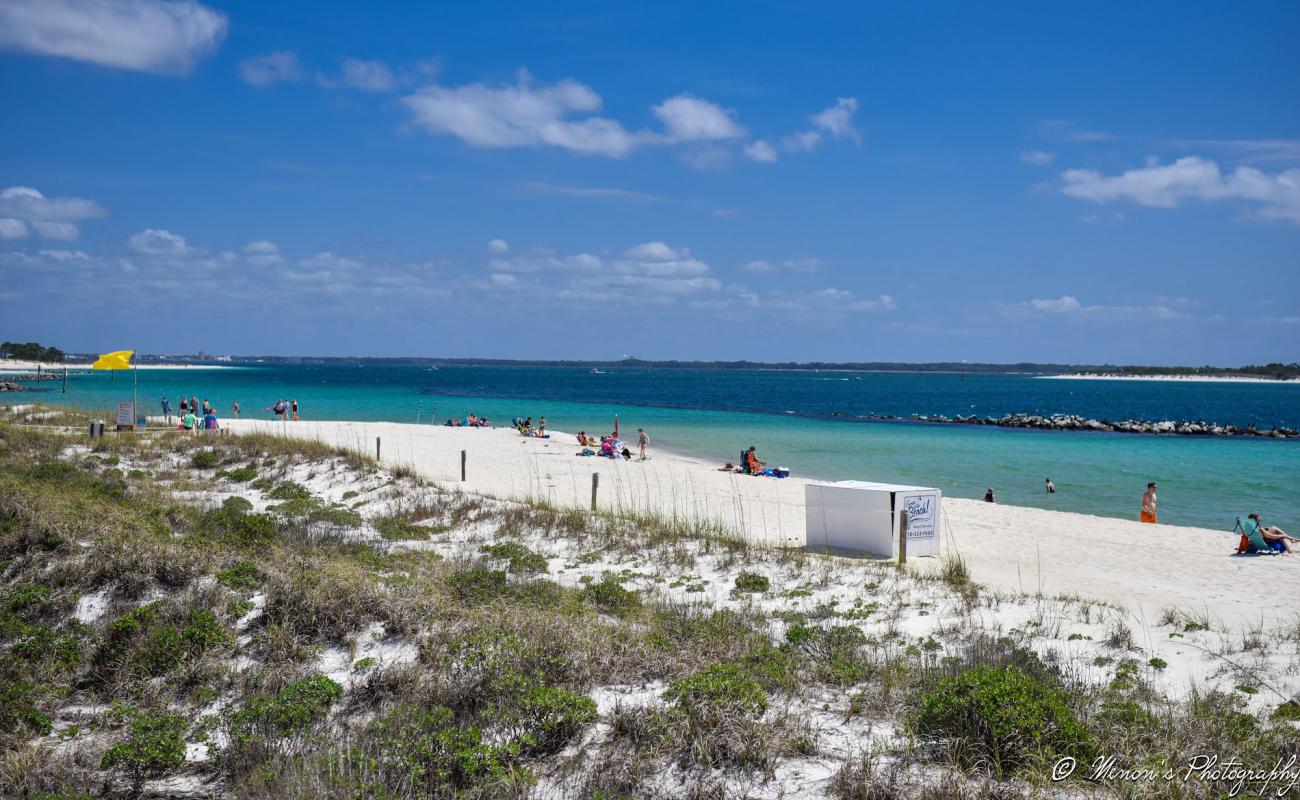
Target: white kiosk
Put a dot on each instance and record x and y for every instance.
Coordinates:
(859, 515)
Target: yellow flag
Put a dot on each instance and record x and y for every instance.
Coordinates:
(120, 359)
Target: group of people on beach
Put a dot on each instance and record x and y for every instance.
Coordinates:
(193, 416)
(282, 409)
(750, 465)
(612, 447)
(468, 421)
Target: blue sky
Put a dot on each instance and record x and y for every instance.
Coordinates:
(928, 181)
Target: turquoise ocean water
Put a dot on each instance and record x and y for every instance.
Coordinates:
(809, 422)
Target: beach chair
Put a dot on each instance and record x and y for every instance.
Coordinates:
(1252, 541)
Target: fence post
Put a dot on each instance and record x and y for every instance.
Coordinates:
(902, 539)
(462, 465)
(377, 448)
(595, 484)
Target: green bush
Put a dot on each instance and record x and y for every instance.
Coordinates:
(238, 474)
(288, 490)
(752, 582)
(1287, 712)
(294, 709)
(522, 560)
(1002, 719)
(715, 690)
(255, 529)
(205, 459)
(424, 748)
(550, 717)
(478, 584)
(156, 745)
(610, 596)
(396, 529)
(236, 507)
(242, 576)
(19, 710)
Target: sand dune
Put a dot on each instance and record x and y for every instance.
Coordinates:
(1144, 569)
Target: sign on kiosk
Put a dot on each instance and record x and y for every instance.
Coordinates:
(125, 415)
(864, 516)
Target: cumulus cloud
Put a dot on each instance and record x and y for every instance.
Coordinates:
(690, 119)
(367, 76)
(788, 265)
(278, 67)
(1190, 179)
(760, 151)
(158, 242)
(1037, 158)
(835, 122)
(523, 114)
(1063, 304)
(22, 207)
(12, 228)
(262, 253)
(1068, 307)
(498, 246)
(159, 36)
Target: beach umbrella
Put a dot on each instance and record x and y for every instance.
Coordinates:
(616, 426)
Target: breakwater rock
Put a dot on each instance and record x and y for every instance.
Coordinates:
(7, 386)
(1072, 422)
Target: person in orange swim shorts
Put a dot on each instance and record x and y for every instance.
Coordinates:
(1149, 504)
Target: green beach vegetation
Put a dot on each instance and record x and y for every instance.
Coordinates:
(246, 638)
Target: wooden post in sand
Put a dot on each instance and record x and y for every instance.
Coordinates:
(377, 448)
(902, 539)
(462, 465)
(595, 484)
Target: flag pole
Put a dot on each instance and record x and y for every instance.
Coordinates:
(135, 399)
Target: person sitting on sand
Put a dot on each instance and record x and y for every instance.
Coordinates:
(750, 463)
(189, 422)
(210, 421)
(583, 440)
(988, 496)
(1276, 538)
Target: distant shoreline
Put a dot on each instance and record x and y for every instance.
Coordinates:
(1172, 378)
(9, 366)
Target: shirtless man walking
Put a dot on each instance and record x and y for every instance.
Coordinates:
(1149, 504)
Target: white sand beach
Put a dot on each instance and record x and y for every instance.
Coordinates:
(1144, 569)
(1172, 378)
(13, 365)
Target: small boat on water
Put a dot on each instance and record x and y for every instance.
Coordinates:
(595, 371)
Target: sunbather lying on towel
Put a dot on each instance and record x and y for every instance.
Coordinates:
(1275, 537)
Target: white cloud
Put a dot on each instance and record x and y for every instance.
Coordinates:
(144, 35)
(62, 231)
(1190, 178)
(587, 191)
(653, 251)
(690, 119)
(12, 228)
(838, 119)
(760, 151)
(835, 122)
(262, 253)
(521, 115)
(157, 242)
(49, 217)
(278, 67)
(1038, 158)
(368, 76)
(503, 279)
(1063, 304)
(788, 265)
(498, 246)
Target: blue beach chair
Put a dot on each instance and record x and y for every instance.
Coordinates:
(1253, 542)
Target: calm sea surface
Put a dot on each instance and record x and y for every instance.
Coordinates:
(809, 421)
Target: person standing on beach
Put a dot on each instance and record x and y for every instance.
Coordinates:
(184, 405)
(294, 406)
(1149, 504)
(1051, 487)
(234, 409)
(642, 440)
(167, 410)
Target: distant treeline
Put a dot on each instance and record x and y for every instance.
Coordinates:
(30, 351)
(1279, 371)
(1275, 370)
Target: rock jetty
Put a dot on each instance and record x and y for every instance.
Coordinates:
(1072, 422)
